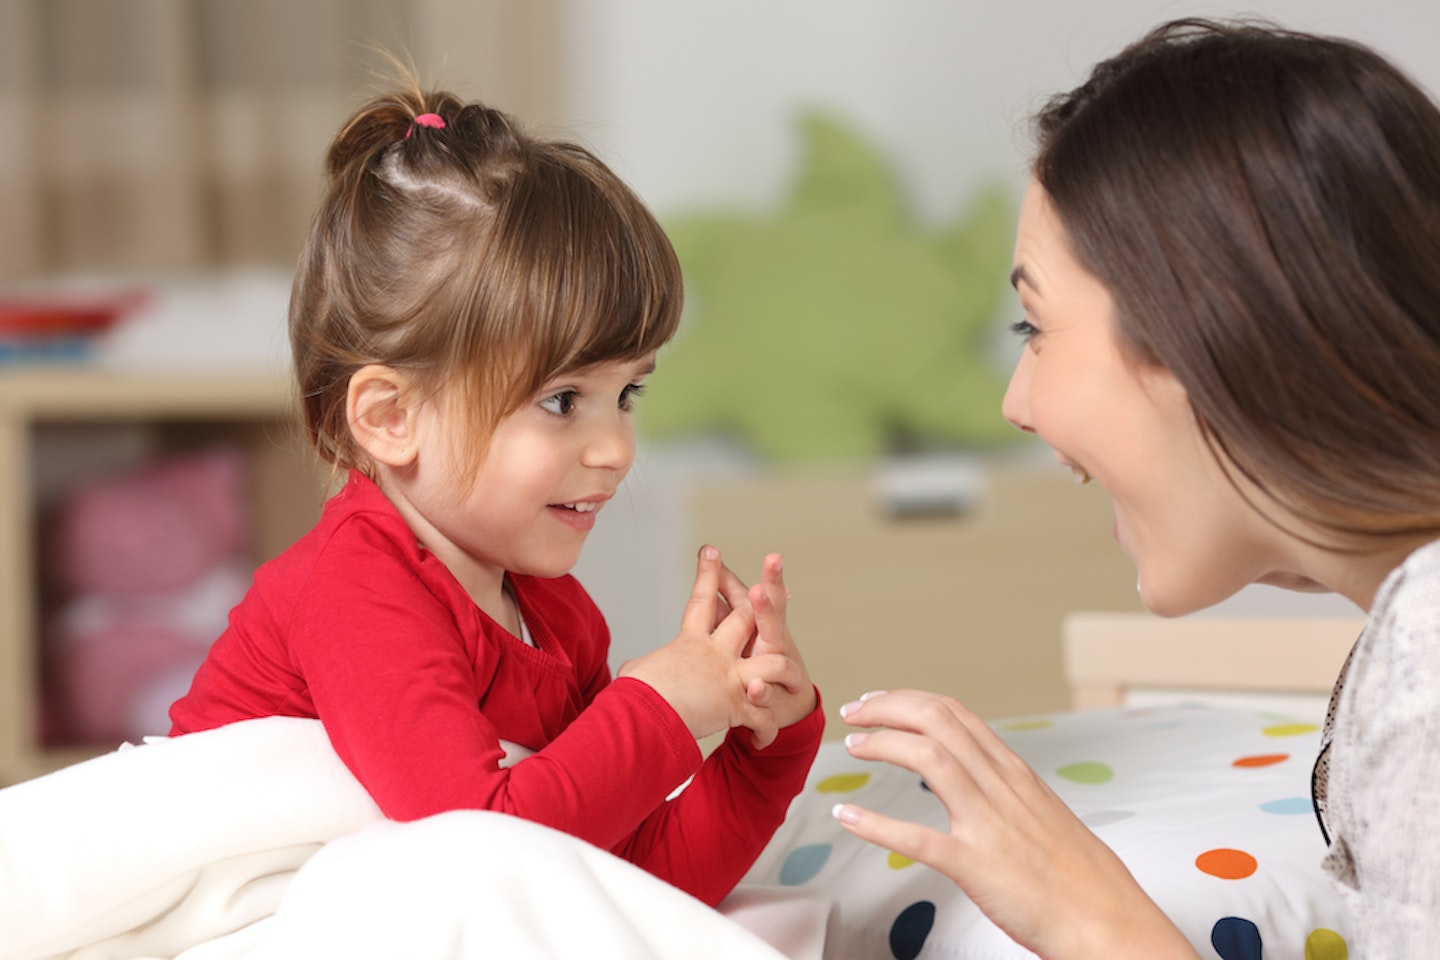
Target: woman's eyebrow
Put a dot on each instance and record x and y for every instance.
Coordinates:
(1018, 276)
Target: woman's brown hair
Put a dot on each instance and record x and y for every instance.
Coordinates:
(1264, 207)
(469, 254)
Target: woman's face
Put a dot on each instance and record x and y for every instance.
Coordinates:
(1128, 426)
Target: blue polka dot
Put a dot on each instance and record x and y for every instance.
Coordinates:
(1236, 939)
(1289, 807)
(908, 932)
(803, 863)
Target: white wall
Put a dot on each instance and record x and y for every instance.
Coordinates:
(693, 103)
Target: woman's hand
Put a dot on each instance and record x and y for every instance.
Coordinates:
(1012, 845)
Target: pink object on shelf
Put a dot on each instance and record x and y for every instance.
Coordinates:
(119, 685)
(159, 528)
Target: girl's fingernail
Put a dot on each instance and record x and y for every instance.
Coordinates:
(710, 553)
(855, 739)
(849, 708)
(871, 695)
(845, 813)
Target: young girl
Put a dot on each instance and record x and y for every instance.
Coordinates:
(473, 319)
(1229, 263)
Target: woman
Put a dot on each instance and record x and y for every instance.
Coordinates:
(1229, 262)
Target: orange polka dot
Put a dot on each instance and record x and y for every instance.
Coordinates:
(1262, 760)
(1226, 864)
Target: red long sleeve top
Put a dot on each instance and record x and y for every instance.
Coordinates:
(359, 626)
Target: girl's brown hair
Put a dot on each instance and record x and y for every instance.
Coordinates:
(1264, 207)
(472, 255)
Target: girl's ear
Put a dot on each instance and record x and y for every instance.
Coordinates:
(380, 408)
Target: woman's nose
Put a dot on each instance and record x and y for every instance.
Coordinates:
(1016, 405)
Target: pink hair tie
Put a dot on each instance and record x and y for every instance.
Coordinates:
(426, 120)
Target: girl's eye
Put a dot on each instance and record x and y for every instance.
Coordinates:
(561, 404)
(630, 394)
(1025, 329)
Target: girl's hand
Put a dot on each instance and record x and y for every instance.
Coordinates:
(791, 695)
(1012, 845)
(703, 673)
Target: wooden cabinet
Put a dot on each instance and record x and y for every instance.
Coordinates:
(970, 604)
(178, 410)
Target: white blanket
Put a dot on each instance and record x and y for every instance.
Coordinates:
(254, 842)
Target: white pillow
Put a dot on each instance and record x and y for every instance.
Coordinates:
(1209, 807)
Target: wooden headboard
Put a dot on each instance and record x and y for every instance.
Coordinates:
(1109, 654)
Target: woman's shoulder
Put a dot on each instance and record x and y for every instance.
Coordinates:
(1398, 658)
(1410, 596)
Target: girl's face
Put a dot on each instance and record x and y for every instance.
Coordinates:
(1128, 426)
(549, 469)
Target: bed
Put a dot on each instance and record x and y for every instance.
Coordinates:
(1179, 755)
(1189, 752)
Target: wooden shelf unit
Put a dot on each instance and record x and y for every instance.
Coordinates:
(253, 409)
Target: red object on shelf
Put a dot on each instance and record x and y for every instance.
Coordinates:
(66, 313)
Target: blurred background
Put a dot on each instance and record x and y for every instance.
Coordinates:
(840, 178)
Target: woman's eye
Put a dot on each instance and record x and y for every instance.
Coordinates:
(560, 404)
(630, 394)
(1025, 329)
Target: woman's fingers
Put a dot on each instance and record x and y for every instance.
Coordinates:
(929, 714)
(919, 843)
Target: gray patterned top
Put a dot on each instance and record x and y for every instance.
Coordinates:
(1377, 781)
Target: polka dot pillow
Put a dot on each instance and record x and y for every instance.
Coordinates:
(1208, 806)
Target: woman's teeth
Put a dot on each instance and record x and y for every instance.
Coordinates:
(585, 507)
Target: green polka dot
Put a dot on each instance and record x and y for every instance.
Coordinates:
(1021, 725)
(1290, 729)
(843, 782)
(1325, 944)
(1087, 772)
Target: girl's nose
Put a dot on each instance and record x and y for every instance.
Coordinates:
(1016, 405)
(611, 443)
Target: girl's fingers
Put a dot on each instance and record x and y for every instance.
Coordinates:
(770, 621)
(773, 668)
(734, 590)
(772, 575)
(700, 609)
(761, 722)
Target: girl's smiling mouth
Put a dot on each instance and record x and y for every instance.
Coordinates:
(578, 514)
